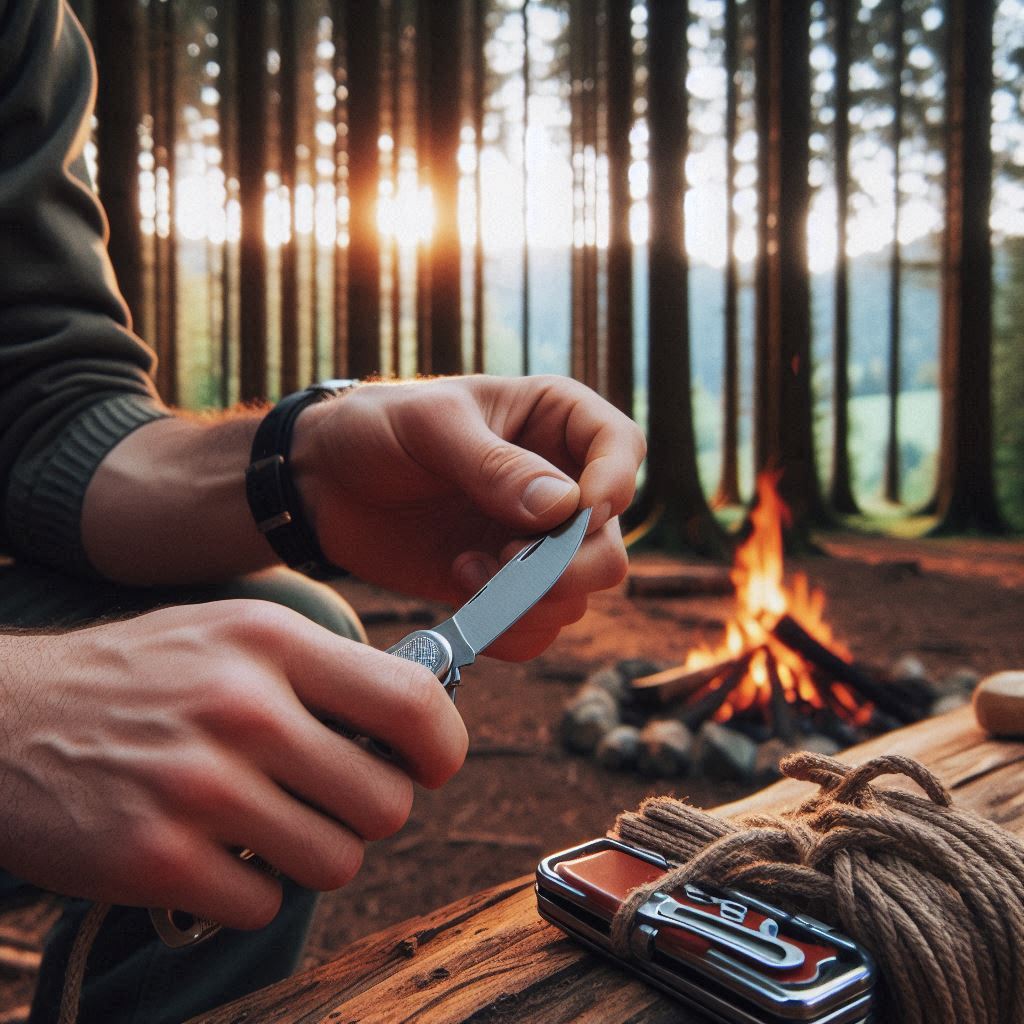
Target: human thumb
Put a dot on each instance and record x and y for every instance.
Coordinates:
(520, 488)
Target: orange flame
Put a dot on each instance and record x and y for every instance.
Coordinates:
(762, 598)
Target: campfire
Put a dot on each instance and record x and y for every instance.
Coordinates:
(779, 673)
(779, 657)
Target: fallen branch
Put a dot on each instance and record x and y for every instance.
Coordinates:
(674, 683)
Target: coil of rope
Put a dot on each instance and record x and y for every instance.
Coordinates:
(933, 892)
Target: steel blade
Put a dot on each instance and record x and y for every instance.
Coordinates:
(517, 586)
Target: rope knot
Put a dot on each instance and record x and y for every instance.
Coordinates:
(934, 893)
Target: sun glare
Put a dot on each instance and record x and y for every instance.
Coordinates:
(530, 190)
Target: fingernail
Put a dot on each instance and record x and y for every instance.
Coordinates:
(545, 491)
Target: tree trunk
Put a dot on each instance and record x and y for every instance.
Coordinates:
(784, 404)
(620, 243)
(966, 497)
(841, 491)
(479, 73)
(227, 88)
(525, 328)
(339, 254)
(163, 100)
(439, 47)
(673, 492)
(288, 85)
(577, 74)
(363, 64)
(251, 49)
(118, 39)
(729, 483)
(892, 453)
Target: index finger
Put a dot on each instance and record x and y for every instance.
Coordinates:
(609, 447)
(399, 703)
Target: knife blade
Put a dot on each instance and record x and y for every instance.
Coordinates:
(517, 586)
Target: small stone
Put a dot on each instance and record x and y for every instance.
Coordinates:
(769, 754)
(609, 679)
(665, 750)
(908, 667)
(950, 702)
(818, 743)
(724, 753)
(961, 680)
(591, 713)
(619, 748)
(999, 703)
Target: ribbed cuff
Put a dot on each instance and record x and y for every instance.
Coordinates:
(46, 491)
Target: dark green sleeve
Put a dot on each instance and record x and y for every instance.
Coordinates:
(74, 379)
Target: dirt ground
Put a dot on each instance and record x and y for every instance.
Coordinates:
(519, 796)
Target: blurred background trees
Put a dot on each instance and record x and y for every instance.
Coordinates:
(781, 235)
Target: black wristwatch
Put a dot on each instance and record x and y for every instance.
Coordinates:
(273, 497)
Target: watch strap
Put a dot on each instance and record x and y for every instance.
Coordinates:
(270, 488)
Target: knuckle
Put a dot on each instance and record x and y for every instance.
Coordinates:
(256, 622)
(500, 460)
(420, 695)
(395, 806)
(343, 865)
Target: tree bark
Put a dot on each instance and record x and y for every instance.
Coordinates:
(841, 491)
(339, 253)
(479, 73)
(288, 85)
(163, 101)
(729, 484)
(525, 327)
(783, 333)
(892, 453)
(251, 49)
(118, 40)
(439, 47)
(966, 498)
(228, 113)
(672, 492)
(620, 243)
(363, 291)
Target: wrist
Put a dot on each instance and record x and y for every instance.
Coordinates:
(272, 487)
(167, 505)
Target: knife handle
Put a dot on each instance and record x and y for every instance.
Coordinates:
(428, 648)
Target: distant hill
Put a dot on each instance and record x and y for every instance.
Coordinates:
(869, 316)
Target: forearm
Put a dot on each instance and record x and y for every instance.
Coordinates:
(167, 505)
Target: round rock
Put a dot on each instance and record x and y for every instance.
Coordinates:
(999, 703)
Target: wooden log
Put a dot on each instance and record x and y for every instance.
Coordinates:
(686, 581)
(678, 681)
(790, 633)
(783, 725)
(706, 704)
(490, 957)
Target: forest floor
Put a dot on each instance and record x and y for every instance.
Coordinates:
(950, 602)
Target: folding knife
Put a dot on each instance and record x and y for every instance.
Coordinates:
(445, 649)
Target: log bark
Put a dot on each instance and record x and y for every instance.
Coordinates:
(490, 957)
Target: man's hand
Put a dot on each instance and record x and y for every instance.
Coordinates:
(427, 487)
(136, 756)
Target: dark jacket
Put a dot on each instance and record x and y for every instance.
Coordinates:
(74, 379)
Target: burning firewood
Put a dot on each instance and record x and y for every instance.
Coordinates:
(793, 635)
(706, 704)
(671, 684)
